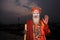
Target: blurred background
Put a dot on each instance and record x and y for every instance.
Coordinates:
(15, 13)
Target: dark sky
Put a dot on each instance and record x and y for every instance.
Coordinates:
(12, 10)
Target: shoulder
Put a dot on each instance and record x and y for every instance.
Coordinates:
(29, 21)
(42, 23)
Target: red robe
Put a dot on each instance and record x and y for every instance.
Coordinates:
(44, 30)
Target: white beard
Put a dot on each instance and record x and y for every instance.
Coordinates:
(36, 20)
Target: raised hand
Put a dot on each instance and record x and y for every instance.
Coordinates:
(45, 19)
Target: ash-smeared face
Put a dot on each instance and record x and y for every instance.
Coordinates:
(36, 12)
(36, 17)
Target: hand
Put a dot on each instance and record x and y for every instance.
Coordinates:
(46, 18)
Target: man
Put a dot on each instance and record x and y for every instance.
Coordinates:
(36, 29)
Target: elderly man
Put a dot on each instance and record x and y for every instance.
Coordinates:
(36, 29)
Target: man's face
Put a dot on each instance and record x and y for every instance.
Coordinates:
(36, 16)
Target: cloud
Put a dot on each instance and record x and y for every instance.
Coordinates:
(22, 9)
(18, 8)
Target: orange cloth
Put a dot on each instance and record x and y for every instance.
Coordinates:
(44, 30)
(36, 8)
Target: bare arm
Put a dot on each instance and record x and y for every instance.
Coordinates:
(25, 31)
